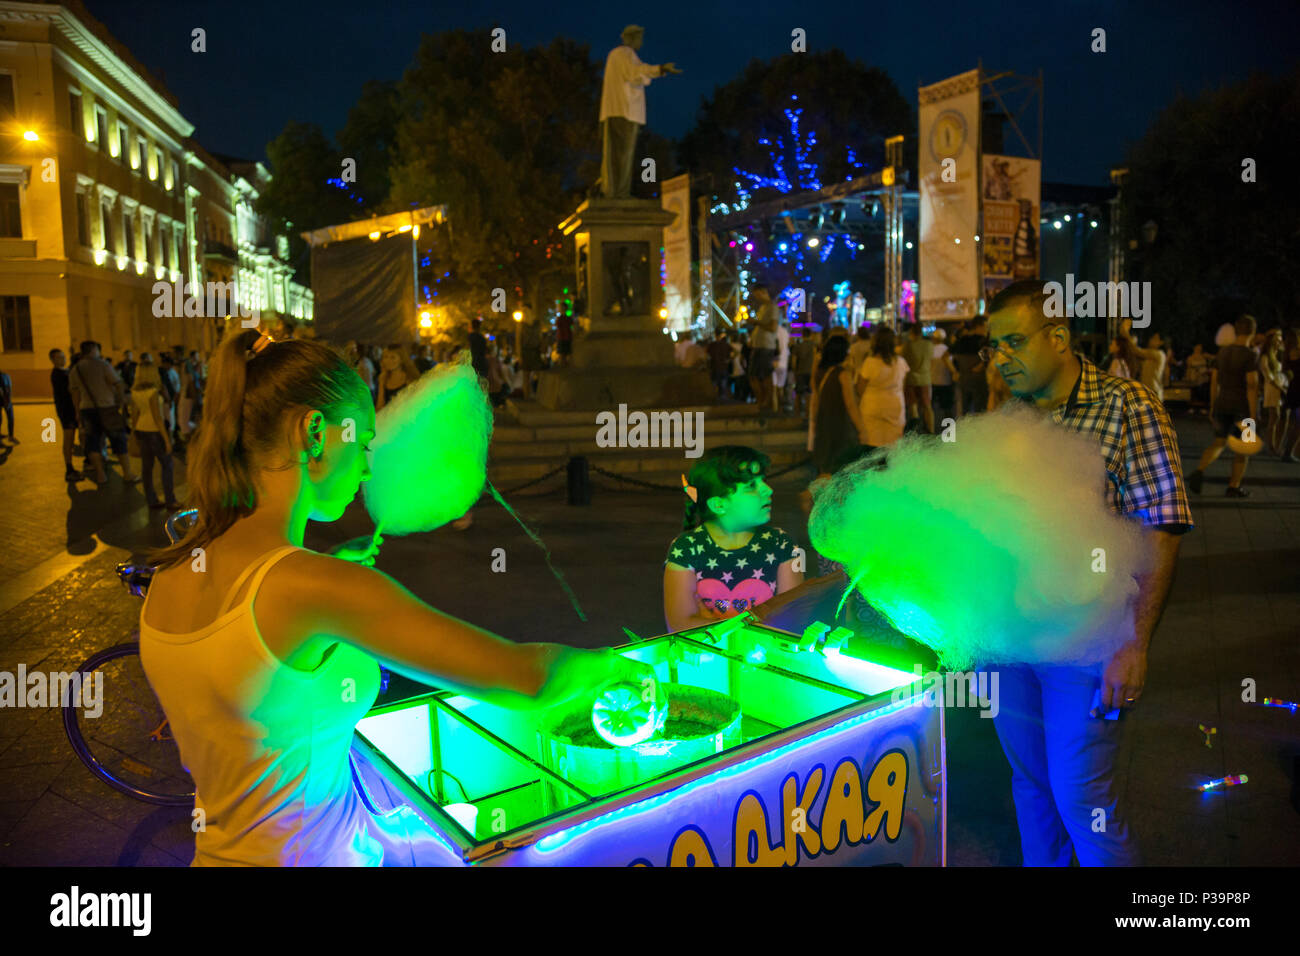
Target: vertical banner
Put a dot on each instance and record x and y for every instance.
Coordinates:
(949, 152)
(677, 252)
(1009, 241)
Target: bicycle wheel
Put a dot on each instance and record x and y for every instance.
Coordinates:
(123, 737)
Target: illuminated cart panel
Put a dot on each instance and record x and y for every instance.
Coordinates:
(775, 756)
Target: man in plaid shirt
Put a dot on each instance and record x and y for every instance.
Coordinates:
(1061, 749)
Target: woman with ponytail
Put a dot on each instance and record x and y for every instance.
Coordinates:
(265, 654)
(729, 558)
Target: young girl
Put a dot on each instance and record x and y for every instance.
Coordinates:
(729, 558)
(149, 423)
(265, 654)
(396, 372)
(1273, 375)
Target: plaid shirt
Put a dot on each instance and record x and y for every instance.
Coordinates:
(1138, 443)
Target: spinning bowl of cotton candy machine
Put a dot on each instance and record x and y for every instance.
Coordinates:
(700, 723)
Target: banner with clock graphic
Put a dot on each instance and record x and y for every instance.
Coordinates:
(949, 157)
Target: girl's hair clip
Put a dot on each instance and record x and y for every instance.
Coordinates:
(263, 340)
(690, 490)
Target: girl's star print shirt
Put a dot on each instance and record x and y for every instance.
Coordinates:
(728, 583)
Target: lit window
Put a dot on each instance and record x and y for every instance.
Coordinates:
(11, 219)
(76, 114)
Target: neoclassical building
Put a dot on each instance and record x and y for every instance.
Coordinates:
(103, 193)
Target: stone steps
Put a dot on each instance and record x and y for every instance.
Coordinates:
(529, 441)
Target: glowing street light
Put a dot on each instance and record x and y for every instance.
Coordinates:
(31, 136)
(519, 316)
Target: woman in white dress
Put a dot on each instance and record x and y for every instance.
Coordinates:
(880, 390)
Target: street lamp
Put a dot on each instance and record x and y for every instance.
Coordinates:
(31, 136)
(519, 316)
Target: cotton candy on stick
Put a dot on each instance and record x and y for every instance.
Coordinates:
(429, 456)
(428, 461)
(994, 548)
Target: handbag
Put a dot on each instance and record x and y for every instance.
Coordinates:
(111, 418)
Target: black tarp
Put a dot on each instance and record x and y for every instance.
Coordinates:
(365, 290)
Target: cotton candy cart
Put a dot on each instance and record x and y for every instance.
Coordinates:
(774, 755)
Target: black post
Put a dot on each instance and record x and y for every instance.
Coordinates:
(579, 481)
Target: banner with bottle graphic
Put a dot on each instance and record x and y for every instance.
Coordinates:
(676, 197)
(1009, 239)
(949, 186)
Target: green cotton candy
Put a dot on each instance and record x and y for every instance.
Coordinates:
(429, 456)
(997, 547)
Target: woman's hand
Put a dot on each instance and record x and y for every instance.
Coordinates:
(362, 550)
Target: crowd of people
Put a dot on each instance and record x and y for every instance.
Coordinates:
(147, 407)
(274, 399)
(858, 391)
(112, 412)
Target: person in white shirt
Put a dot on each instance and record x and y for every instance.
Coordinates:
(622, 110)
(1153, 361)
(860, 347)
(781, 372)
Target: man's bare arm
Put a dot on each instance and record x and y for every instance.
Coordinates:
(1153, 587)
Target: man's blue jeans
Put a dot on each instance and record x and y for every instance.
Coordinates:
(1062, 767)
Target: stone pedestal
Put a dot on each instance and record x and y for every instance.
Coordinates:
(621, 355)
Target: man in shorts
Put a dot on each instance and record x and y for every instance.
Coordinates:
(1234, 388)
(99, 395)
(918, 352)
(66, 410)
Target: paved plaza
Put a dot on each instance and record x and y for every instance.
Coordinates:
(1234, 616)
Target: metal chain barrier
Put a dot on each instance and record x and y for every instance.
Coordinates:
(632, 481)
(527, 484)
(653, 486)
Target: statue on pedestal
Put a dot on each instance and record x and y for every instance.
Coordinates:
(622, 111)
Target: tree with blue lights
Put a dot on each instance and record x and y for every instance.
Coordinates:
(795, 123)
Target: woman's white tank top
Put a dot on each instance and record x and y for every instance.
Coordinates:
(266, 744)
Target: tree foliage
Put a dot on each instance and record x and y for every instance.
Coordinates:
(299, 197)
(1219, 238)
(850, 106)
(507, 141)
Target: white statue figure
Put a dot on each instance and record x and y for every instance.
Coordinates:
(622, 110)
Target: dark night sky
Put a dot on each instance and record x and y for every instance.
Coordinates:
(277, 60)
